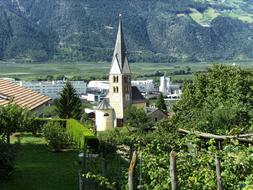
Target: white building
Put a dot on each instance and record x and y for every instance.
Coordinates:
(93, 97)
(98, 85)
(53, 88)
(104, 116)
(164, 85)
(144, 85)
(168, 89)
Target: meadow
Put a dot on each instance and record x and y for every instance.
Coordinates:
(100, 70)
(38, 168)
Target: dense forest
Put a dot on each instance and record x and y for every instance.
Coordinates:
(156, 31)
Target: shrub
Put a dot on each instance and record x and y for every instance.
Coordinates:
(7, 159)
(56, 136)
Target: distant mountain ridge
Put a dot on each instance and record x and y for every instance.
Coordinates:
(155, 30)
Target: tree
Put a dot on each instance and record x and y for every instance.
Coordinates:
(137, 118)
(68, 105)
(219, 101)
(50, 77)
(56, 136)
(160, 103)
(13, 118)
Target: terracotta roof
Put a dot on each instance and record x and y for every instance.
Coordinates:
(24, 97)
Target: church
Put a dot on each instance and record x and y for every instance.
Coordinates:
(111, 111)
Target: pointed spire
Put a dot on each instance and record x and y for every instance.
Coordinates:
(120, 55)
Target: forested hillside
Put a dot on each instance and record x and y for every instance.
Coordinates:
(155, 30)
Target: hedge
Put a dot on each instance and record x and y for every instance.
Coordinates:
(77, 131)
(80, 133)
(37, 124)
(40, 122)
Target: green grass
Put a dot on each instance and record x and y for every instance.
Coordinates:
(39, 169)
(241, 10)
(97, 70)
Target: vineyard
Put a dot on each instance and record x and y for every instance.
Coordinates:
(205, 145)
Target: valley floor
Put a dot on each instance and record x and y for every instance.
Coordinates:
(100, 70)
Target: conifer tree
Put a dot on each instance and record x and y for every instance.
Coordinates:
(69, 105)
(160, 103)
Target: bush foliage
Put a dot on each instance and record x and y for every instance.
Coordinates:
(13, 118)
(56, 136)
(7, 159)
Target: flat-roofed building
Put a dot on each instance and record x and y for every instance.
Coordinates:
(144, 85)
(53, 88)
(99, 85)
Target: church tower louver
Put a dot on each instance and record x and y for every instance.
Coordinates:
(120, 91)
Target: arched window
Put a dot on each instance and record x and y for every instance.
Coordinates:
(106, 114)
(117, 89)
(115, 79)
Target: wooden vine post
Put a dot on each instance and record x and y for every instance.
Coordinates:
(131, 170)
(173, 170)
(84, 163)
(218, 172)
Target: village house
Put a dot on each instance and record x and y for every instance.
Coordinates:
(11, 93)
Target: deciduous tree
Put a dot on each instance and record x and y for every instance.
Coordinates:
(13, 118)
(160, 103)
(219, 101)
(137, 118)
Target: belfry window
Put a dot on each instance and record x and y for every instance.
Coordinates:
(115, 89)
(115, 79)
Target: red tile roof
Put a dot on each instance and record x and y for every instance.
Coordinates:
(24, 97)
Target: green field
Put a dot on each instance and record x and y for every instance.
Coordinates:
(99, 70)
(37, 168)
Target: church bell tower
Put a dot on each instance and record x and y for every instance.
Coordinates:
(120, 91)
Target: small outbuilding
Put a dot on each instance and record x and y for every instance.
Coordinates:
(155, 114)
(104, 116)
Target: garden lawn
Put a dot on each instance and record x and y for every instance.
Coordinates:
(37, 168)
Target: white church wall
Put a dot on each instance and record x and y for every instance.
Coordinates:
(104, 120)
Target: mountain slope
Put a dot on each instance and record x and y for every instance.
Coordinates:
(155, 30)
(21, 38)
